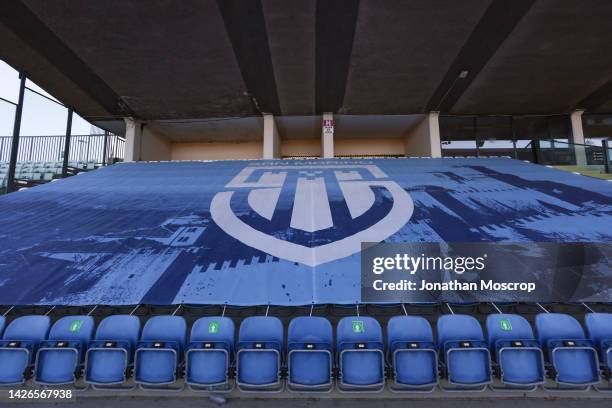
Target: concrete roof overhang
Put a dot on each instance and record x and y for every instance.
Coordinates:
(162, 60)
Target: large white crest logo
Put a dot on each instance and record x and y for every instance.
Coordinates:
(310, 209)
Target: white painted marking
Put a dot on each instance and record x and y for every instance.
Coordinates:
(398, 216)
(264, 201)
(311, 210)
(359, 197)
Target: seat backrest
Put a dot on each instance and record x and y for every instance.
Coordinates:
(507, 327)
(73, 328)
(408, 328)
(119, 328)
(214, 329)
(310, 329)
(598, 326)
(358, 329)
(262, 329)
(2, 322)
(165, 328)
(28, 328)
(458, 327)
(557, 326)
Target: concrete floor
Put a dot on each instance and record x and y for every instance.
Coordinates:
(204, 402)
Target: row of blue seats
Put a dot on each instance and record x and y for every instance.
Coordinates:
(121, 355)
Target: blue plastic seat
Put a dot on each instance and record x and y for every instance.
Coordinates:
(412, 353)
(160, 351)
(465, 353)
(599, 331)
(19, 346)
(259, 357)
(361, 359)
(2, 323)
(112, 351)
(568, 350)
(516, 351)
(210, 352)
(62, 354)
(310, 350)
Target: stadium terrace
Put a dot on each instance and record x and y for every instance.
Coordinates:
(190, 191)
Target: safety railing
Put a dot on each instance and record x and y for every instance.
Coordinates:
(88, 148)
(561, 153)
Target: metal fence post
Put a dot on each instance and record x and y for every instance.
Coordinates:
(16, 131)
(535, 146)
(606, 155)
(104, 148)
(67, 143)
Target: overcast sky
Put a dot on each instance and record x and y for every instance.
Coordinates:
(40, 116)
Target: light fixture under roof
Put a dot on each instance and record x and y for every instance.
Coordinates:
(463, 74)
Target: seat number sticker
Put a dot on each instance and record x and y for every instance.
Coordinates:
(358, 326)
(213, 327)
(505, 325)
(75, 326)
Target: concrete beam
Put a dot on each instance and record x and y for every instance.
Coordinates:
(327, 136)
(143, 143)
(424, 139)
(578, 137)
(271, 138)
(133, 140)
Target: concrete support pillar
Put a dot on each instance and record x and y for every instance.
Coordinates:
(271, 138)
(578, 137)
(327, 136)
(133, 140)
(424, 139)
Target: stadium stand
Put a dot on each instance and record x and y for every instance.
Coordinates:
(39, 172)
(308, 362)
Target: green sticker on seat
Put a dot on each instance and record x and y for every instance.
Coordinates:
(358, 326)
(75, 326)
(213, 327)
(505, 325)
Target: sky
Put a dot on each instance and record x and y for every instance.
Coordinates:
(40, 116)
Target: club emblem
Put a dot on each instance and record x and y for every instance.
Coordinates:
(311, 213)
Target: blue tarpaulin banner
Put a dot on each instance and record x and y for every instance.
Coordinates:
(281, 232)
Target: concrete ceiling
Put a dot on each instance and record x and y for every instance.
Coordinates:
(163, 60)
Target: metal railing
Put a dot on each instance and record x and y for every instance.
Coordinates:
(51, 148)
(559, 153)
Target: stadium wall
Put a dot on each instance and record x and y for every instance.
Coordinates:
(301, 147)
(217, 150)
(352, 147)
(157, 146)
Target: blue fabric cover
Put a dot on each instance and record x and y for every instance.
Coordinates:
(362, 367)
(416, 367)
(577, 367)
(108, 366)
(260, 367)
(466, 366)
(159, 366)
(29, 331)
(307, 367)
(519, 366)
(56, 366)
(210, 367)
(149, 228)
